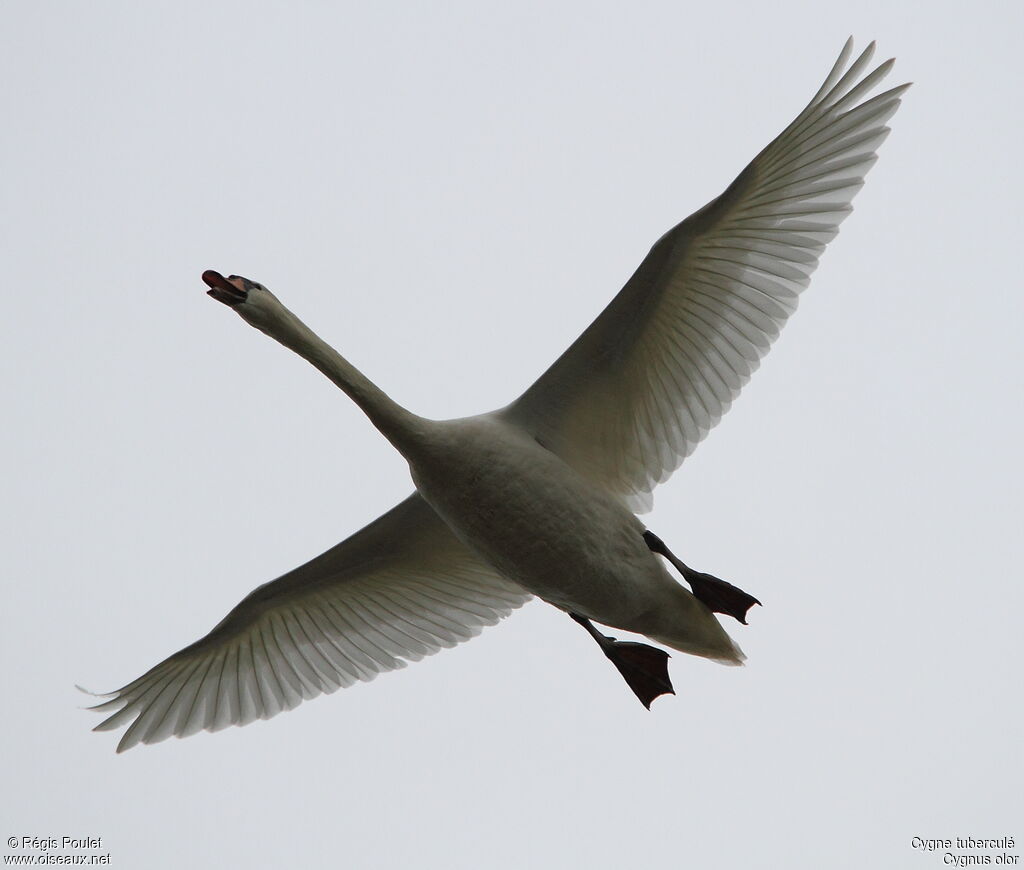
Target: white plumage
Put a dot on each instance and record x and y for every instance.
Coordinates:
(538, 497)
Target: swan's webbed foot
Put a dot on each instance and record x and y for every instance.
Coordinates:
(717, 595)
(720, 596)
(643, 667)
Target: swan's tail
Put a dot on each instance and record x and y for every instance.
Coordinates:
(722, 648)
(687, 625)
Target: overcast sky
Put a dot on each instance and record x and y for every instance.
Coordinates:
(449, 193)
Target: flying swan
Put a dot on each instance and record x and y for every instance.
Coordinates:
(539, 497)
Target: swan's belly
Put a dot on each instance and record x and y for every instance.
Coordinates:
(539, 523)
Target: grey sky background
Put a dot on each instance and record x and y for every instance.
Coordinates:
(449, 193)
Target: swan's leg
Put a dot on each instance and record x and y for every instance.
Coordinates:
(717, 595)
(644, 668)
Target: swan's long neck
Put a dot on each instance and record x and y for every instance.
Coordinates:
(401, 427)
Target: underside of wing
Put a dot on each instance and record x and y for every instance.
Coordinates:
(637, 391)
(402, 588)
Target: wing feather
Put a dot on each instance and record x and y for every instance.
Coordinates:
(400, 589)
(638, 390)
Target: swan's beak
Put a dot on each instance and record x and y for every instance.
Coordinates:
(231, 291)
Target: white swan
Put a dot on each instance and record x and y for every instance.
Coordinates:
(538, 497)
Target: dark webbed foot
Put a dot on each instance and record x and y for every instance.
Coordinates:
(717, 595)
(720, 596)
(643, 667)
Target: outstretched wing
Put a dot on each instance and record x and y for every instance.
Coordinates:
(399, 590)
(636, 392)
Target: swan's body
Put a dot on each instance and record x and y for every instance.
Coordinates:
(559, 536)
(539, 497)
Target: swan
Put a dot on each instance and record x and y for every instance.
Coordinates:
(540, 497)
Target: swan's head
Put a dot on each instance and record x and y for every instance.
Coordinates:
(253, 302)
(231, 291)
